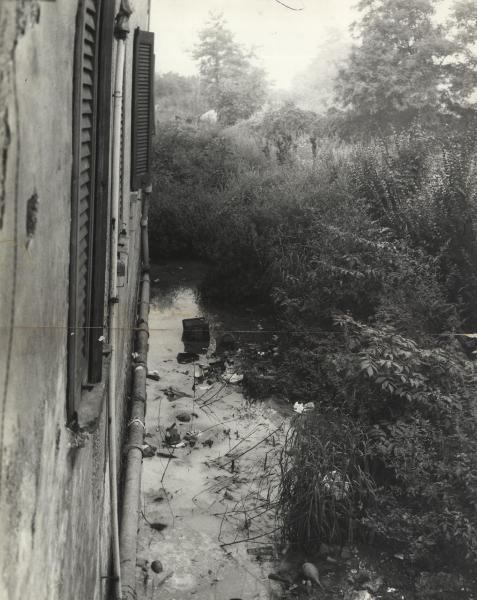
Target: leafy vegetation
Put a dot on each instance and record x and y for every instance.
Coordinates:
(357, 229)
(234, 85)
(407, 65)
(179, 97)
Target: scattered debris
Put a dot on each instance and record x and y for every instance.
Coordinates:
(185, 358)
(172, 435)
(311, 573)
(153, 375)
(196, 329)
(158, 526)
(148, 450)
(300, 408)
(261, 551)
(156, 566)
(162, 494)
(142, 563)
(233, 377)
(183, 417)
(229, 496)
(191, 437)
(165, 454)
(216, 362)
(173, 393)
(198, 373)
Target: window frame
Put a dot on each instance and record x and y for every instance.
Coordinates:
(87, 303)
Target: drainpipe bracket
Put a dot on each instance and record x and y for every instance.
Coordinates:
(136, 446)
(138, 421)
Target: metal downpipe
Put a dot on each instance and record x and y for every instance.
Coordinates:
(136, 427)
(113, 312)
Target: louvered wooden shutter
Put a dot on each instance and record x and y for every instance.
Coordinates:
(90, 194)
(102, 192)
(83, 179)
(142, 109)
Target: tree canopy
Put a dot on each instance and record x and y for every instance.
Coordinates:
(234, 86)
(281, 129)
(405, 62)
(179, 96)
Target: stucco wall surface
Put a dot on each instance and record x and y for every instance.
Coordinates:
(54, 497)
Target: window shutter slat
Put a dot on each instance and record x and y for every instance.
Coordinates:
(143, 109)
(85, 84)
(102, 163)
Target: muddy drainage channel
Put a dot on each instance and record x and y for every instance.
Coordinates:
(211, 468)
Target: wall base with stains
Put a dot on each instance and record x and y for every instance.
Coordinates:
(54, 499)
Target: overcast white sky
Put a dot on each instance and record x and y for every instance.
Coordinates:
(285, 40)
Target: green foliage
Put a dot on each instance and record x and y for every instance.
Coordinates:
(423, 188)
(324, 484)
(410, 463)
(178, 96)
(367, 257)
(281, 128)
(191, 165)
(421, 433)
(234, 86)
(406, 63)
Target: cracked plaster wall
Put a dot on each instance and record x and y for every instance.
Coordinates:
(54, 499)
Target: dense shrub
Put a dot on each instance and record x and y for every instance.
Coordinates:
(192, 166)
(423, 188)
(368, 257)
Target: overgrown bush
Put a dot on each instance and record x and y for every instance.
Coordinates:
(409, 467)
(192, 166)
(423, 188)
(368, 257)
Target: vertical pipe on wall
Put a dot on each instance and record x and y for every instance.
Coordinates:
(113, 313)
(136, 427)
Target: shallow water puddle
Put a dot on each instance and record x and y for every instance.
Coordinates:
(208, 506)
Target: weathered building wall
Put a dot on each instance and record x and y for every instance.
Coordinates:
(54, 498)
